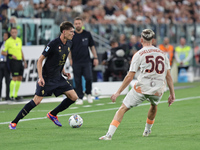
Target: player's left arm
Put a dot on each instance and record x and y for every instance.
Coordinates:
(169, 80)
(23, 58)
(94, 52)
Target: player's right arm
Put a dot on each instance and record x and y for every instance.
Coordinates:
(171, 98)
(125, 83)
(41, 81)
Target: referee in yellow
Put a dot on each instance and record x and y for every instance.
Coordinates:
(13, 49)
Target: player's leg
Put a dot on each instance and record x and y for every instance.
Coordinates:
(115, 122)
(25, 110)
(154, 100)
(66, 88)
(132, 99)
(150, 119)
(71, 98)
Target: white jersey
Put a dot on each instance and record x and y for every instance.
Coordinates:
(153, 65)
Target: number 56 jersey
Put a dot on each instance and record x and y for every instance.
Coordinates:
(153, 65)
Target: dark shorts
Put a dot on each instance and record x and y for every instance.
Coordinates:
(16, 67)
(52, 86)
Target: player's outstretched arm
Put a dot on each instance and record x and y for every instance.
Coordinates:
(39, 69)
(125, 83)
(171, 98)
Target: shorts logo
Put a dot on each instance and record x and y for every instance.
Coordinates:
(152, 84)
(47, 48)
(68, 49)
(42, 92)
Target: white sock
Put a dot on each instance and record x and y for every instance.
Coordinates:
(111, 130)
(148, 126)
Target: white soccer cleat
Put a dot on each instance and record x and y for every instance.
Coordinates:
(79, 102)
(105, 137)
(146, 132)
(89, 98)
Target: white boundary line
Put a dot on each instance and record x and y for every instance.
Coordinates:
(92, 111)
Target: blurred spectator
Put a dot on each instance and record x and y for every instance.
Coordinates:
(77, 6)
(123, 42)
(109, 8)
(46, 10)
(13, 23)
(183, 55)
(13, 4)
(4, 70)
(4, 19)
(197, 54)
(106, 58)
(134, 45)
(4, 5)
(197, 60)
(169, 49)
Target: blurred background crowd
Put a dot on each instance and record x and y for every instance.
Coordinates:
(105, 12)
(108, 20)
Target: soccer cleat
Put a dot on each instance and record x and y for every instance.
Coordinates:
(105, 137)
(54, 119)
(89, 98)
(79, 102)
(146, 132)
(12, 126)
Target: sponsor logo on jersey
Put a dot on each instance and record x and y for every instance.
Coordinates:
(47, 48)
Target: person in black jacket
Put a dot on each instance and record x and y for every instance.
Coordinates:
(4, 70)
(81, 61)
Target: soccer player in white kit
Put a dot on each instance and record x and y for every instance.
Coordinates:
(154, 68)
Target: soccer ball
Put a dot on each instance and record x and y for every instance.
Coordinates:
(96, 92)
(75, 121)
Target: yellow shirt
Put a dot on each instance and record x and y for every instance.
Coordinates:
(14, 47)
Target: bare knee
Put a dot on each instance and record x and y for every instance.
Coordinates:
(74, 98)
(71, 95)
(37, 99)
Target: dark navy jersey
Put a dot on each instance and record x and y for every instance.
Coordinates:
(79, 50)
(56, 54)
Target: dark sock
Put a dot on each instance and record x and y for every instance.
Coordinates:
(25, 110)
(62, 106)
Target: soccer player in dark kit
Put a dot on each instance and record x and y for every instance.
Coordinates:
(50, 76)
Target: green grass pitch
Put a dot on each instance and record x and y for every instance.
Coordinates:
(175, 128)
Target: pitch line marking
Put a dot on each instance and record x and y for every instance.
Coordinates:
(92, 111)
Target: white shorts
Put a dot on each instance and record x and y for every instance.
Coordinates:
(134, 98)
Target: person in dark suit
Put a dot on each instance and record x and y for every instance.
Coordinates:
(4, 70)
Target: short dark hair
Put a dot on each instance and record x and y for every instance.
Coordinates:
(148, 34)
(112, 41)
(78, 18)
(13, 28)
(66, 25)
